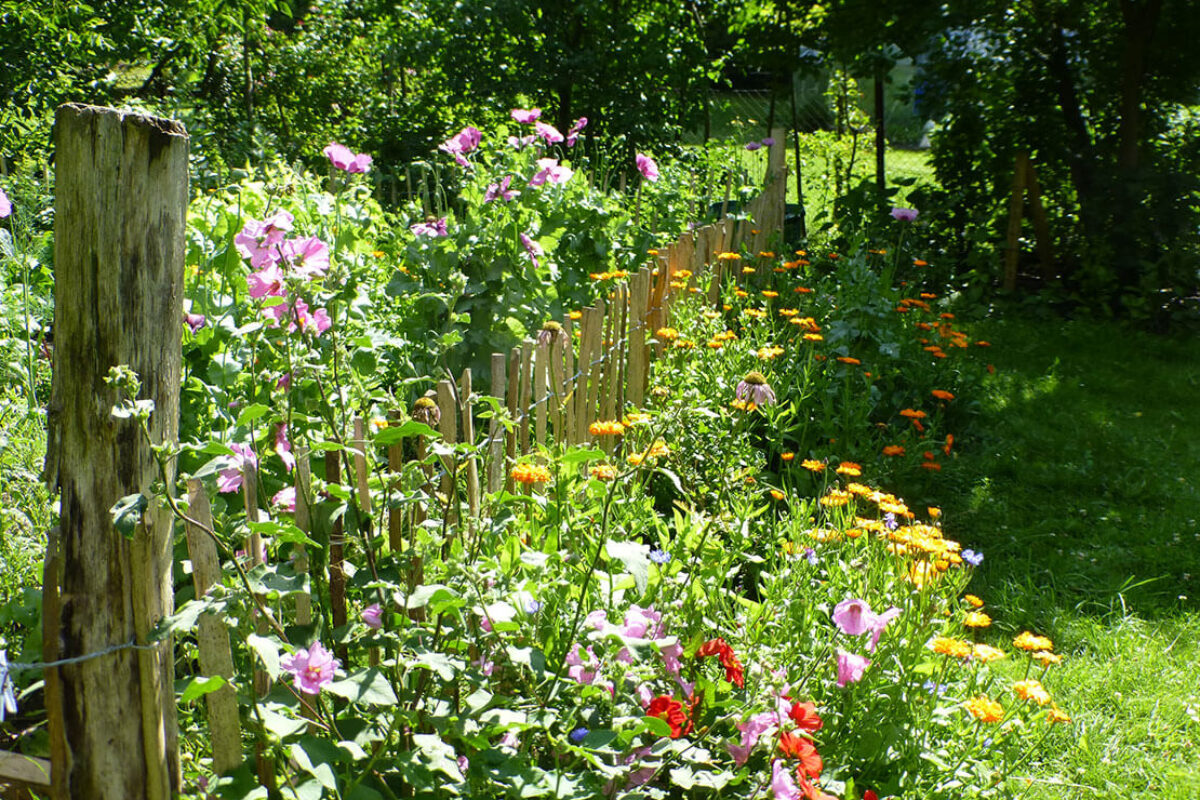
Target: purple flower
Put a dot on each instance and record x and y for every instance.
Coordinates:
(647, 167)
(850, 668)
(431, 227)
(904, 214)
(5, 205)
(752, 146)
(972, 558)
(342, 158)
(500, 191)
(532, 249)
(307, 257)
(195, 321)
(659, 556)
(576, 128)
(767, 142)
(811, 556)
(532, 607)
(752, 730)
(285, 498)
(889, 521)
(783, 786)
(578, 735)
(317, 319)
(267, 282)
(579, 670)
(853, 617)
(463, 142)
(755, 389)
(230, 478)
(548, 132)
(258, 241)
(878, 623)
(372, 615)
(312, 669)
(526, 116)
(550, 170)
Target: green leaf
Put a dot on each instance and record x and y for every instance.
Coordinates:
(251, 413)
(658, 727)
(127, 513)
(200, 686)
(369, 686)
(438, 756)
(445, 666)
(636, 558)
(267, 650)
(313, 756)
(434, 595)
(410, 428)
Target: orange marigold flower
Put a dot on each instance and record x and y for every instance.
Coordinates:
(850, 469)
(606, 428)
(666, 334)
(788, 312)
(893, 450)
(956, 648)
(932, 466)
(728, 257)
(813, 466)
(802, 290)
(985, 710)
(770, 352)
(813, 337)
(1046, 658)
(949, 443)
(835, 499)
(973, 601)
(934, 512)
(977, 619)
(942, 394)
(983, 344)
(767, 293)
(1030, 642)
(912, 413)
(787, 456)
(1032, 690)
(986, 654)
(603, 472)
(530, 474)
(775, 493)
(1057, 716)
(854, 362)
(919, 263)
(748, 270)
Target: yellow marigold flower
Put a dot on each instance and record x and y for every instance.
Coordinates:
(921, 573)
(973, 601)
(1046, 658)
(770, 295)
(775, 493)
(1029, 642)
(947, 646)
(604, 472)
(683, 344)
(788, 312)
(835, 499)
(977, 619)
(728, 257)
(716, 344)
(765, 253)
(786, 456)
(576, 315)
(678, 284)
(683, 274)
(530, 473)
(859, 489)
(651, 252)
(666, 334)
(710, 314)
(656, 450)
(636, 418)
(1057, 716)
(984, 709)
(378, 253)
(748, 270)
(849, 469)
(934, 511)
(1032, 690)
(755, 313)
(813, 337)
(769, 352)
(824, 534)
(986, 654)
(606, 428)
(742, 293)
(812, 466)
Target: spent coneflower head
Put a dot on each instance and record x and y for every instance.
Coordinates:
(551, 333)
(755, 389)
(426, 410)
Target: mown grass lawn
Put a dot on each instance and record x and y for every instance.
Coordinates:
(1080, 486)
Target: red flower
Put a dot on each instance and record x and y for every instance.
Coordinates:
(811, 792)
(670, 711)
(734, 671)
(793, 745)
(869, 794)
(805, 717)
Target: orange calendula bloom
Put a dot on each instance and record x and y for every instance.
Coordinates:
(1046, 658)
(942, 394)
(775, 493)
(850, 469)
(955, 648)
(666, 334)
(787, 456)
(530, 474)
(606, 428)
(813, 337)
(912, 413)
(748, 270)
(770, 352)
(973, 601)
(1032, 690)
(932, 466)
(728, 257)
(934, 512)
(984, 709)
(977, 619)
(1057, 716)
(603, 472)
(920, 263)
(835, 499)
(983, 344)
(813, 466)
(1030, 642)
(986, 654)
(802, 290)
(767, 293)
(854, 362)
(893, 450)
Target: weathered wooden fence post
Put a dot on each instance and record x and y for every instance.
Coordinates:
(122, 192)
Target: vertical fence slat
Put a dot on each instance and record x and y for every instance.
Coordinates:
(468, 435)
(395, 457)
(337, 555)
(570, 382)
(526, 392)
(216, 656)
(541, 411)
(302, 477)
(448, 427)
(514, 410)
(495, 437)
(639, 297)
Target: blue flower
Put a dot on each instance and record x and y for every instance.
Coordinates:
(972, 558)
(811, 555)
(934, 688)
(659, 556)
(532, 607)
(889, 519)
(578, 735)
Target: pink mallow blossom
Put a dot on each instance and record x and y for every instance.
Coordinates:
(532, 249)
(306, 257)
(259, 240)
(904, 214)
(753, 729)
(432, 227)
(854, 618)
(783, 786)
(195, 321)
(526, 116)
(285, 499)
(576, 129)
(230, 478)
(267, 282)
(850, 668)
(500, 191)
(548, 132)
(283, 447)
(372, 615)
(5, 205)
(312, 668)
(579, 669)
(549, 170)
(647, 167)
(344, 159)
(522, 142)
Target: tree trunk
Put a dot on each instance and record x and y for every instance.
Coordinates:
(1141, 20)
(880, 131)
(119, 250)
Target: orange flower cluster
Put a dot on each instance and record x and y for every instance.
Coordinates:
(734, 671)
(606, 428)
(530, 474)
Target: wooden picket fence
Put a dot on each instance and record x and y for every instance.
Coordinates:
(553, 388)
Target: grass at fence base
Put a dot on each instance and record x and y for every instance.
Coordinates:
(1081, 490)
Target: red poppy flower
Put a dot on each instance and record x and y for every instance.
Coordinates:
(805, 717)
(734, 671)
(670, 711)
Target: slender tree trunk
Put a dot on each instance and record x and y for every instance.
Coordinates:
(799, 169)
(1141, 21)
(120, 210)
(880, 131)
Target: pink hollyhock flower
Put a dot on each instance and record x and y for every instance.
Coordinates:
(306, 257)
(550, 170)
(767, 142)
(647, 167)
(266, 282)
(598, 619)
(5, 205)
(783, 786)
(372, 615)
(317, 320)
(258, 241)
(342, 158)
(433, 227)
(500, 191)
(548, 132)
(195, 321)
(904, 214)
(752, 730)
(284, 382)
(312, 669)
(853, 617)
(850, 668)
(230, 479)
(532, 249)
(878, 623)
(283, 447)
(670, 656)
(526, 116)
(579, 670)
(576, 129)
(642, 623)
(285, 498)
